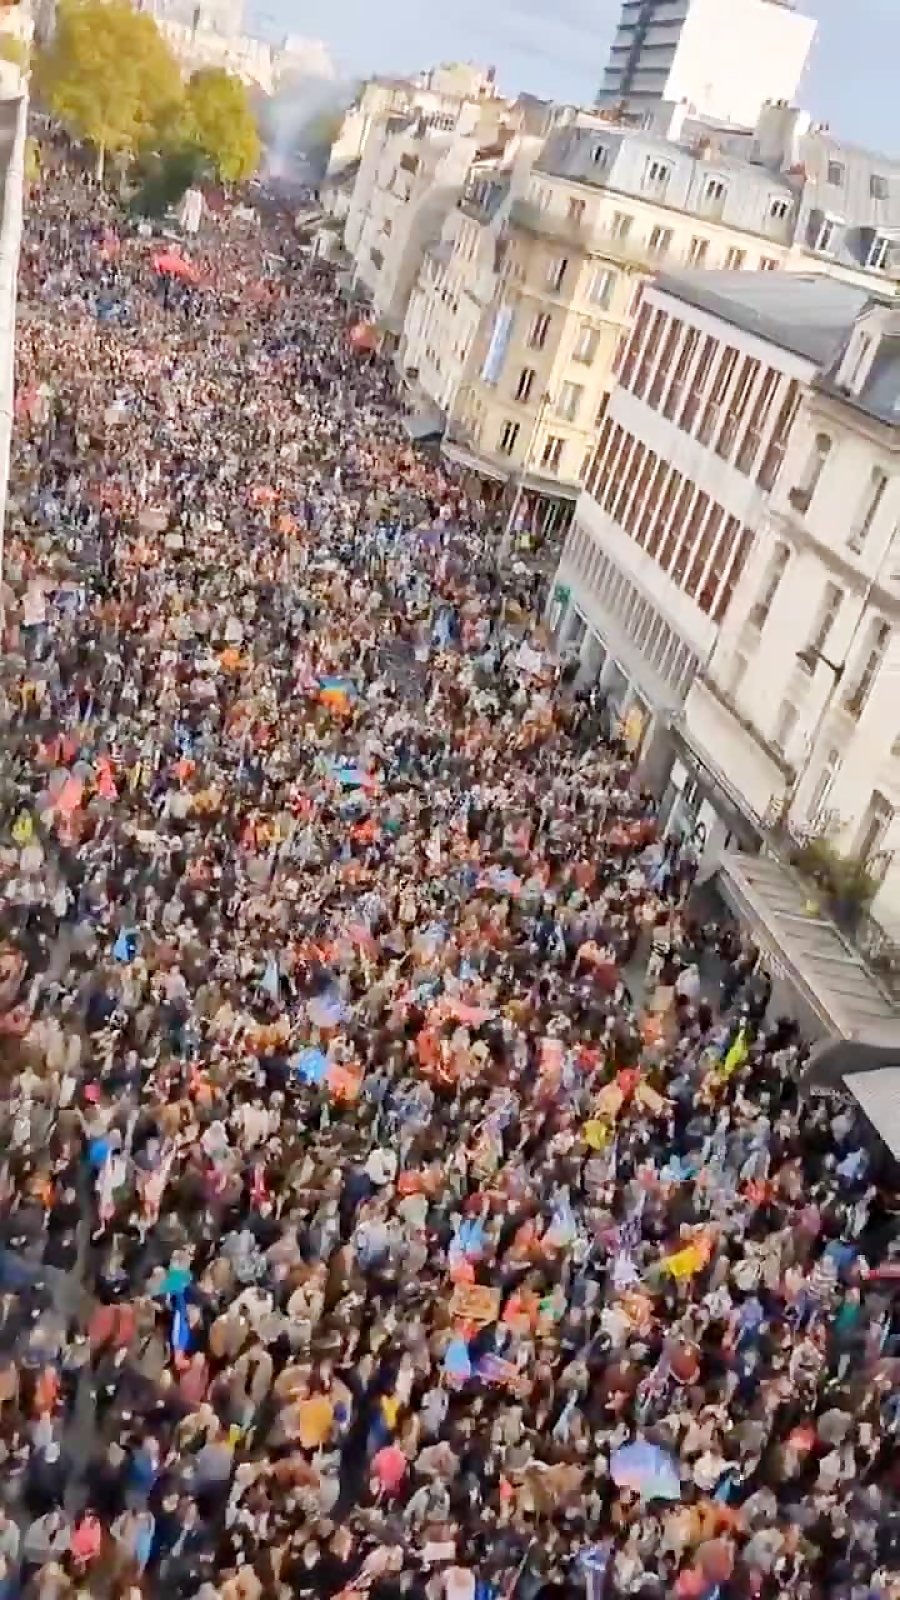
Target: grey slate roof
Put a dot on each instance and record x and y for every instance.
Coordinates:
(807, 313)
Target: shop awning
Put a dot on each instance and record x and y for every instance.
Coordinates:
(841, 997)
(461, 457)
(422, 426)
(877, 1094)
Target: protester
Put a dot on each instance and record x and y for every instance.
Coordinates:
(395, 1201)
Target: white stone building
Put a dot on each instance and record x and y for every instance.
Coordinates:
(732, 578)
(13, 132)
(459, 276)
(723, 59)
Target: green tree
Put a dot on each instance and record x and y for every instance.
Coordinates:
(109, 76)
(221, 124)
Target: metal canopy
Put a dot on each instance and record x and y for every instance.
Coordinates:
(878, 1095)
(830, 976)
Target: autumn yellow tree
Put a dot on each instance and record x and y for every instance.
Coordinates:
(220, 123)
(109, 76)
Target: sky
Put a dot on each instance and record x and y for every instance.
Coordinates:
(557, 48)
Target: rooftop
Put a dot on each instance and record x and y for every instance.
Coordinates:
(806, 313)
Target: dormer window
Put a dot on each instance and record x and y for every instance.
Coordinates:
(826, 235)
(879, 252)
(857, 360)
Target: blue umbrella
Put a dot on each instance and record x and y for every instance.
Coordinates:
(647, 1469)
(310, 1065)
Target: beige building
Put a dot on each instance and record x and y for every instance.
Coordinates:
(605, 208)
(458, 278)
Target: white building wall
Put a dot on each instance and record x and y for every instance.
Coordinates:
(654, 539)
(14, 95)
(732, 57)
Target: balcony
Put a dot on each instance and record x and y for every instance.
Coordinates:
(581, 236)
(841, 889)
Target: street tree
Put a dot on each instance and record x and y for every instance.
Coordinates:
(220, 123)
(109, 76)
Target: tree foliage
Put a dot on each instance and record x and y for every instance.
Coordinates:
(221, 124)
(108, 75)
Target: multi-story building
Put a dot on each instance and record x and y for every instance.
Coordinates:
(605, 208)
(458, 278)
(722, 59)
(422, 171)
(732, 578)
(380, 112)
(688, 455)
(13, 129)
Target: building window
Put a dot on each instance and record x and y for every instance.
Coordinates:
(825, 237)
(876, 824)
(879, 639)
(525, 384)
(736, 404)
(698, 250)
(715, 193)
(779, 208)
(664, 364)
(660, 243)
(656, 175)
(785, 725)
(540, 328)
(696, 545)
(801, 496)
(647, 524)
(569, 402)
(768, 264)
(824, 783)
(576, 210)
(603, 281)
(556, 273)
(735, 259)
(836, 174)
(586, 345)
(697, 389)
(675, 394)
(771, 462)
(630, 354)
(508, 438)
(551, 458)
(600, 155)
(709, 422)
(648, 353)
(878, 186)
(828, 614)
(621, 224)
(377, 259)
(774, 573)
(878, 482)
(759, 414)
(587, 459)
(879, 253)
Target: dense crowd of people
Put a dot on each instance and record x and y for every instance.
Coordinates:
(393, 1204)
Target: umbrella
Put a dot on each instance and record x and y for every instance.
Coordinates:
(173, 266)
(647, 1469)
(310, 1065)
